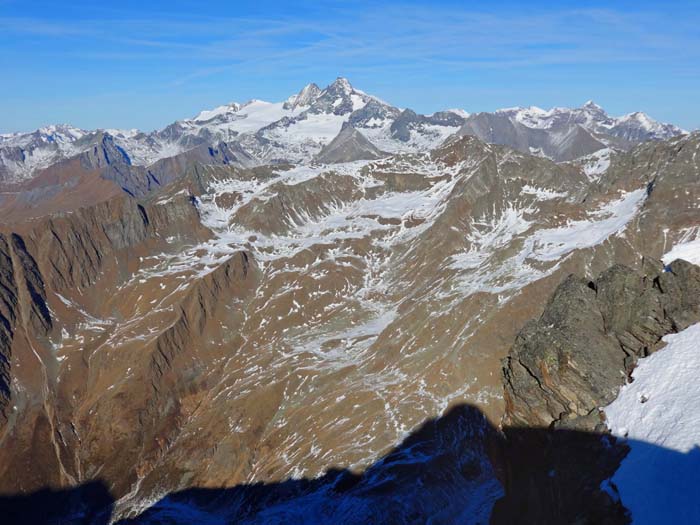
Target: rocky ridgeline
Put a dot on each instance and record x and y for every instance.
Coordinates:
(8, 317)
(71, 255)
(573, 359)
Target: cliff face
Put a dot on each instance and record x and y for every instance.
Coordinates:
(8, 316)
(47, 268)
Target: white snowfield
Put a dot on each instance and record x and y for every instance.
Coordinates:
(596, 164)
(659, 414)
(610, 219)
(689, 251)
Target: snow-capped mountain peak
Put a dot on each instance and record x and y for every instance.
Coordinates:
(207, 115)
(305, 97)
(60, 133)
(590, 105)
(645, 122)
(338, 98)
(460, 112)
(341, 84)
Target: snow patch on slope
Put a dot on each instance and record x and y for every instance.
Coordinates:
(553, 244)
(688, 251)
(549, 245)
(659, 413)
(596, 164)
(344, 221)
(423, 138)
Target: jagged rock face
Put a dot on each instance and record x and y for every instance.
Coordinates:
(242, 325)
(305, 97)
(572, 361)
(337, 99)
(34, 303)
(8, 316)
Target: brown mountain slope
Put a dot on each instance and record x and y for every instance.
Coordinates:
(244, 325)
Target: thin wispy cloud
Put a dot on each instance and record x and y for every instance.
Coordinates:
(383, 35)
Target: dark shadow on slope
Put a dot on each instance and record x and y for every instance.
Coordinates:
(453, 469)
(90, 503)
(441, 470)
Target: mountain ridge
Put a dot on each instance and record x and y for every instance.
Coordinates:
(299, 127)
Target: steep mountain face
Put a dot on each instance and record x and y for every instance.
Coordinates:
(207, 321)
(305, 97)
(7, 322)
(297, 129)
(349, 145)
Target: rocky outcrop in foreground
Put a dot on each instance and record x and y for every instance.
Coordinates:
(572, 361)
(563, 369)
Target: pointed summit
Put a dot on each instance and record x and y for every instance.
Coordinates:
(593, 107)
(349, 145)
(341, 84)
(308, 94)
(339, 98)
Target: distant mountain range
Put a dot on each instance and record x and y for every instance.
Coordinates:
(298, 129)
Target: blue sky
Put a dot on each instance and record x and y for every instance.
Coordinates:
(144, 64)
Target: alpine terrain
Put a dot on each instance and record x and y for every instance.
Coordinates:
(333, 310)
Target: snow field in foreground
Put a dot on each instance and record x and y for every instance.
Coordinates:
(659, 413)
